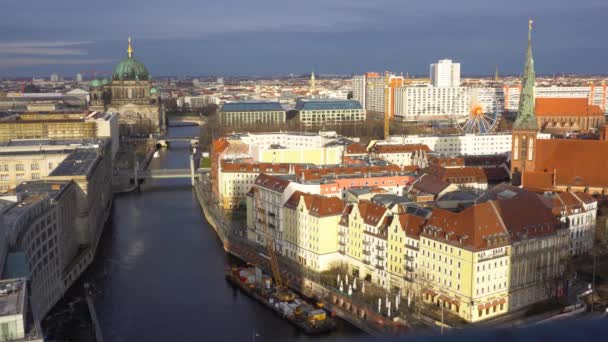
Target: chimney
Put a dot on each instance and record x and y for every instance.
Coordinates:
(554, 178)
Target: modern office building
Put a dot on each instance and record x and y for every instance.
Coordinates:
(370, 90)
(424, 103)
(445, 73)
(321, 112)
(245, 112)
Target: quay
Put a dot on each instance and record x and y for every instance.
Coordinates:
(301, 281)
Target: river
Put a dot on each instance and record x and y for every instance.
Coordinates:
(159, 271)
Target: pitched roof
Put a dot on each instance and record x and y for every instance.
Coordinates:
(555, 107)
(577, 162)
(402, 148)
(356, 148)
(429, 184)
(459, 175)
(272, 182)
(316, 205)
(477, 227)
(345, 215)
(228, 166)
(370, 212)
(411, 224)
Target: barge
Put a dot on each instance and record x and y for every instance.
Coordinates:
(309, 319)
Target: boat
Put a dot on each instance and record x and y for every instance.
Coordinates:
(306, 317)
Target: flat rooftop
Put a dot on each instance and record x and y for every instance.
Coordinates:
(49, 142)
(13, 302)
(79, 162)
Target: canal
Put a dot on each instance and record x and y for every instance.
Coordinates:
(159, 272)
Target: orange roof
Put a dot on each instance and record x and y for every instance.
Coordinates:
(228, 166)
(477, 227)
(578, 162)
(317, 205)
(356, 148)
(406, 148)
(310, 174)
(460, 175)
(371, 213)
(271, 182)
(411, 224)
(550, 106)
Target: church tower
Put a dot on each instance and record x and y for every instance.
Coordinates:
(525, 128)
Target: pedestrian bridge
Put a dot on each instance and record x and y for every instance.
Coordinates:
(166, 141)
(140, 175)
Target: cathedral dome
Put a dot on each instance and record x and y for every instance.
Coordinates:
(129, 69)
(153, 91)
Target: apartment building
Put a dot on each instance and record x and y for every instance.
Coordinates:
(246, 112)
(320, 112)
(445, 73)
(310, 223)
(464, 262)
(462, 144)
(371, 91)
(424, 103)
(398, 154)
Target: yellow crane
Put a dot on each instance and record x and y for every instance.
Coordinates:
(387, 87)
(282, 292)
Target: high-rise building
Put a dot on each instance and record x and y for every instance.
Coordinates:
(445, 73)
(78, 78)
(54, 78)
(370, 91)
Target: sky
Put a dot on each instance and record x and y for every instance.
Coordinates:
(273, 37)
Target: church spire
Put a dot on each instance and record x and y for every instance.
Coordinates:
(313, 83)
(526, 120)
(130, 49)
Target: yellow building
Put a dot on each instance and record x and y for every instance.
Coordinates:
(363, 241)
(403, 248)
(25, 164)
(464, 262)
(317, 156)
(310, 223)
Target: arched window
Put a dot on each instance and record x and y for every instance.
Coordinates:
(531, 149)
(516, 148)
(524, 147)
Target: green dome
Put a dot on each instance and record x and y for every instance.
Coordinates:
(153, 91)
(105, 81)
(95, 83)
(129, 69)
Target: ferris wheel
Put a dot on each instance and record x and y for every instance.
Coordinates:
(484, 113)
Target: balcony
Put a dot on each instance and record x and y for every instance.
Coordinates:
(366, 252)
(380, 267)
(380, 248)
(412, 248)
(409, 268)
(366, 262)
(341, 243)
(341, 233)
(409, 277)
(271, 214)
(366, 243)
(379, 258)
(409, 258)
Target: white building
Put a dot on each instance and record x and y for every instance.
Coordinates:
(508, 96)
(432, 103)
(461, 144)
(250, 112)
(359, 89)
(445, 73)
(319, 112)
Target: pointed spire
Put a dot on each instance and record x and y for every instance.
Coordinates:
(526, 120)
(313, 85)
(130, 49)
(496, 77)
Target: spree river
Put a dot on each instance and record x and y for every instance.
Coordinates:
(159, 271)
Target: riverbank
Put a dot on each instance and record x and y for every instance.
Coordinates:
(299, 279)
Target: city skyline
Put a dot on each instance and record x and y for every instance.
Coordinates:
(186, 37)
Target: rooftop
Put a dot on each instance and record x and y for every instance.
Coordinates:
(247, 106)
(79, 162)
(327, 104)
(546, 107)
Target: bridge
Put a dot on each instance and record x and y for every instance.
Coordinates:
(165, 141)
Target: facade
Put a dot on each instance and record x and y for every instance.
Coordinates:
(371, 91)
(131, 94)
(197, 102)
(597, 94)
(311, 230)
(578, 212)
(424, 103)
(321, 112)
(564, 115)
(464, 262)
(445, 73)
(463, 144)
(401, 155)
(237, 113)
(359, 89)
(471, 179)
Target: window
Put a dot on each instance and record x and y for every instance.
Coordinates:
(19, 167)
(35, 166)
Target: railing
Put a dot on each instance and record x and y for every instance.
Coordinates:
(379, 258)
(409, 268)
(366, 261)
(380, 248)
(409, 258)
(380, 267)
(366, 252)
(341, 243)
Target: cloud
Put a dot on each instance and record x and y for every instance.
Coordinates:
(42, 48)
(14, 62)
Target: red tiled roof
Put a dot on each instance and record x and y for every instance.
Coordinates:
(317, 205)
(459, 175)
(478, 227)
(406, 148)
(429, 184)
(311, 174)
(578, 162)
(356, 148)
(228, 166)
(271, 182)
(370, 212)
(411, 224)
(555, 107)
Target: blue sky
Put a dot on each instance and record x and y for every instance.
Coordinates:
(267, 37)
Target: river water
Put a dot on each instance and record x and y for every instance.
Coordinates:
(159, 272)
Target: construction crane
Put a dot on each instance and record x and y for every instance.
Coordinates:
(282, 292)
(387, 87)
